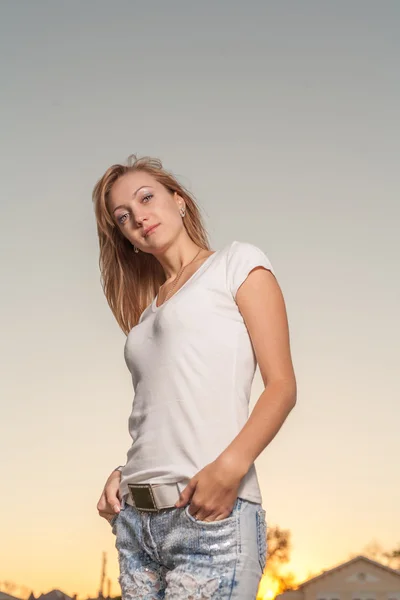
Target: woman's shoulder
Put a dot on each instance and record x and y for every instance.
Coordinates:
(237, 246)
(243, 257)
(240, 249)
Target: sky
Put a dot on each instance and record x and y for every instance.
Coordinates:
(282, 119)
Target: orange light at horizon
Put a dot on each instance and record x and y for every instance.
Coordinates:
(265, 589)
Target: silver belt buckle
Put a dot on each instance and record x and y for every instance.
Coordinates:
(143, 497)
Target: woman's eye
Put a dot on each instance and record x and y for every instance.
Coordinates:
(123, 218)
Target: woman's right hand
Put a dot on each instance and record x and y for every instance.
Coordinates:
(109, 504)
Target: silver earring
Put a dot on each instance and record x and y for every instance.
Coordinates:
(136, 249)
(182, 212)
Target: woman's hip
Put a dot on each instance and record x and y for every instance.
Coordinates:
(177, 554)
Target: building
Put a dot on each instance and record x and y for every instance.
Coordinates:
(357, 579)
(4, 596)
(53, 595)
(58, 595)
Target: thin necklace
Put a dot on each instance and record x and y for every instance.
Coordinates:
(178, 276)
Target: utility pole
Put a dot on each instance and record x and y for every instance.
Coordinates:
(103, 575)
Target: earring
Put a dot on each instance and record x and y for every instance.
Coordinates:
(136, 249)
(182, 212)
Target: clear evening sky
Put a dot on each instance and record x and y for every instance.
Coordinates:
(283, 119)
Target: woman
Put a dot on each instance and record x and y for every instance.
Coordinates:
(186, 507)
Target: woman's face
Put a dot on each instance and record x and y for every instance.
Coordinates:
(138, 201)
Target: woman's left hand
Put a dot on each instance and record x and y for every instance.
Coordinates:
(212, 492)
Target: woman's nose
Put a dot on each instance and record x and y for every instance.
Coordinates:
(140, 220)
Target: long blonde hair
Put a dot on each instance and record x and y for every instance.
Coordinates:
(131, 280)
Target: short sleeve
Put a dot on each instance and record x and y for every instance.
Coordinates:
(242, 258)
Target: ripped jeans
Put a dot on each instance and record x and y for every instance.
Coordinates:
(169, 554)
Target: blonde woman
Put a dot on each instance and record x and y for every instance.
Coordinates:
(186, 508)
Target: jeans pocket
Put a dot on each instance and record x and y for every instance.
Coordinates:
(113, 519)
(229, 519)
(261, 537)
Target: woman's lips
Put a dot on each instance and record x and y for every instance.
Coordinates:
(151, 230)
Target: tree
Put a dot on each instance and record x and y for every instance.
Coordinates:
(8, 587)
(393, 558)
(375, 551)
(13, 589)
(279, 547)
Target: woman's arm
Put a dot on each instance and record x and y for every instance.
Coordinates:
(214, 488)
(262, 306)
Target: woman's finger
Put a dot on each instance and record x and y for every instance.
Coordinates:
(106, 514)
(102, 504)
(112, 499)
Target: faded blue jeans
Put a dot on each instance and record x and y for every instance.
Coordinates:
(169, 554)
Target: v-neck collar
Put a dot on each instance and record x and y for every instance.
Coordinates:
(154, 306)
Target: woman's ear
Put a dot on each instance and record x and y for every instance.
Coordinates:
(179, 201)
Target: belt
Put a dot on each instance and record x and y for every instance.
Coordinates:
(152, 497)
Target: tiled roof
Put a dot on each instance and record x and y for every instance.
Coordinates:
(4, 596)
(54, 595)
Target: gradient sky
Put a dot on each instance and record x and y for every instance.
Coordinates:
(283, 119)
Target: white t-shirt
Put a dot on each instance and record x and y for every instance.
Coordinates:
(192, 365)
